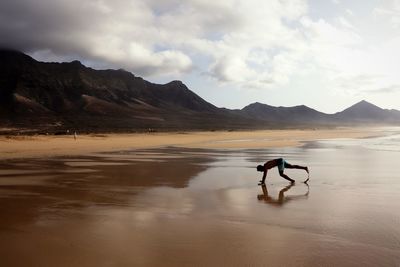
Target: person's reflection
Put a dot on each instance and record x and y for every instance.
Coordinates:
(282, 199)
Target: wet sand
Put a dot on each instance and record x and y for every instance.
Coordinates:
(202, 207)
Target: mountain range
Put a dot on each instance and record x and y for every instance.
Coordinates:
(55, 97)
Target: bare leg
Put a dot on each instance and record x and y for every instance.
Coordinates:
(290, 166)
(286, 177)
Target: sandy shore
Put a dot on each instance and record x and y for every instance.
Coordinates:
(49, 146)
(191, 207)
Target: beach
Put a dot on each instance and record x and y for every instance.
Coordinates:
(191, 199)
(49, 146)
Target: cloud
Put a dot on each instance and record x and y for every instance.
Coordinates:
(156, 37)
(349, 12)
(117, 34)
(395, 88)
(389, 12)
(250, 43)
(243, 43)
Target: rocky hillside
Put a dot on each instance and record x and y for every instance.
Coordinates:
(65, 95)
(55, 97)
(298, 114)
(365, 112)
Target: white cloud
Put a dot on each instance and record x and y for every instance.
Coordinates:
(345, 23)
(239, 43)
(231, 69)
(160, 37)
(349, 12)
(394, 88)
(389, 12)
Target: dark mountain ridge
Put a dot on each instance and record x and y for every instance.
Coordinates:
(364, 111)
(297, 114)
(59, 96)
(70, 95)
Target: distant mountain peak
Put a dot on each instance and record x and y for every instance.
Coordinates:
(76, 62)
(176, 83)
(255, 105)
(363, 104)
(363, 111)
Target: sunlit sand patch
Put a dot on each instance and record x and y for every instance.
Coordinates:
(133, 154)
(235, 140)
(135, 157)
(51, 146)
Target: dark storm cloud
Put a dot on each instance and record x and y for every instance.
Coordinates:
(33, 25)
(92, 31)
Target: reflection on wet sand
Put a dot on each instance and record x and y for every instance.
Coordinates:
(185, 207)
(282, 199)
(57, 183)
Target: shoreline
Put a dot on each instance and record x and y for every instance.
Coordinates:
(52, 146)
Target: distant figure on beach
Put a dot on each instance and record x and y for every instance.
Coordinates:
(75, 135)
(281, 164)
(282, 199)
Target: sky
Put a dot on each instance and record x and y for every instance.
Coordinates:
(326, 54)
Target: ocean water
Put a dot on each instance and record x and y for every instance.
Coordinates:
(201, 207)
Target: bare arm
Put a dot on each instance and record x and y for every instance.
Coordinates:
(264, 176)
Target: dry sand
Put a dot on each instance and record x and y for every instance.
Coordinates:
(49, 146)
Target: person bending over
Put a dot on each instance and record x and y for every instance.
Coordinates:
(281, 164)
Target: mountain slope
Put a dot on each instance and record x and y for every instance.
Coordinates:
(61, 86)
(365, 112)
(298, 114)
(74, 95)
(59, 96)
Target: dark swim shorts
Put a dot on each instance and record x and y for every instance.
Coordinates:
(281, 164)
